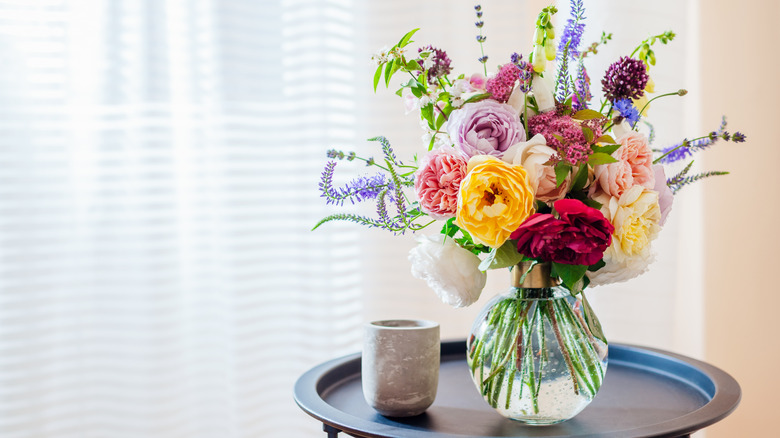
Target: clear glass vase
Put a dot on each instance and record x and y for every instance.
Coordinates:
(536, 353)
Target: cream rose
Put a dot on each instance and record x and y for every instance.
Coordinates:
(635, 216)
(451, 271)
(533, 155)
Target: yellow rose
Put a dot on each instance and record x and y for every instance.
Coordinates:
(494, 199)
(636, 216)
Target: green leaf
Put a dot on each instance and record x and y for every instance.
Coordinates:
(426, 113)
(504, 256)
(587, 114)
(388, 71)
(592, 321)
(394, 66)
(593, 204)
(606, 139)
(377, 76)
(608, 149)
(440, 121)
(588, 133)
(400, 92)
(413, 65)
(600, 264)
(601, 158)
(477, 97)
(432, 142)
(571, 275)
(562, 170)
(406, 39)
(580, 179)
(449, 227)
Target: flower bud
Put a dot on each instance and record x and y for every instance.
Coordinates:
(550, 33)
(540, 62)
(539, 36)
(549, 50)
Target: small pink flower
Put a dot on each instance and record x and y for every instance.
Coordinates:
(634, 167)
(437, 182)
(478, 82)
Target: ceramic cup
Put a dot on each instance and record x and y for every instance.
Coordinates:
(400, 366)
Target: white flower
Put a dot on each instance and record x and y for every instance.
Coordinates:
(451, 271)
(457, 102)
(616, 272)
(542, 90)
(380, 56)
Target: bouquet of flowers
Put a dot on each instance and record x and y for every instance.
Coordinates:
(524, 167)
(523, 164)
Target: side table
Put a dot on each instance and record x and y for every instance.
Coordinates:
(646, 393)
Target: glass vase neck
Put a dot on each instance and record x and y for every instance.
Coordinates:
(538, 277)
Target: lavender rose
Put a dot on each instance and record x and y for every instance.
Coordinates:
(485, 128)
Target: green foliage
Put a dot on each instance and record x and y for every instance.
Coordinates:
(645, 50)
(597, 158)
(562, 170)
(504, 256)
(571, 276)
(587, 114)
(608, 149)
(580, 179)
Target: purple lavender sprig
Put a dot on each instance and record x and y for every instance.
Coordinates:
(686, 148)
(582, 93)
(682, 179)
(526, 72)
(481, 38)
(569, 44)
(360, 189)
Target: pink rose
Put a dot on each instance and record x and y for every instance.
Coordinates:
(634, 167)
(665, 195)
(485, 128)
(579, 237)
(437, 182)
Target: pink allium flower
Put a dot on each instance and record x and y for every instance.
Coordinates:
(634, 167)
(485, 128)
(665, 195)
(437, 182)
(500, 87)
(579, 237)
(574, 148)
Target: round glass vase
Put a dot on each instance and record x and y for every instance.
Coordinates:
(536, 353)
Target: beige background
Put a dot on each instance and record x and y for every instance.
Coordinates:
(739, 67)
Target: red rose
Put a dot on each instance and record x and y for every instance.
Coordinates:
(579, 237)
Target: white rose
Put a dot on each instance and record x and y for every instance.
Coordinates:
(451, 271)
(616, 272)
(543, 91)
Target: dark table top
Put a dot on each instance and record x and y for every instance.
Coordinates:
(646, 393)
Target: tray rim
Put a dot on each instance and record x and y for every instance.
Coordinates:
(725, 399)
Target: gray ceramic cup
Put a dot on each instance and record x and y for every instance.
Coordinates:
(400, 366)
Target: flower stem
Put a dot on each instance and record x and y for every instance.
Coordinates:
(565, 350)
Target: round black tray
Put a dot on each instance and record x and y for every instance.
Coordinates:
(646, 393)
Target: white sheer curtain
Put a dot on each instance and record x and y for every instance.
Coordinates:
(158, 171)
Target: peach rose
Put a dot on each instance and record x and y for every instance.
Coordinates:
(634, 167)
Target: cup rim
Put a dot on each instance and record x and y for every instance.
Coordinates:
(403, 324)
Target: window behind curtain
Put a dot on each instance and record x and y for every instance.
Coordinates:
(158, 171)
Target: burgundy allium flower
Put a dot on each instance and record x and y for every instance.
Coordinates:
(574, 148)
(441, 62)
(625, 79)
(500, 86)
(579, 237)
